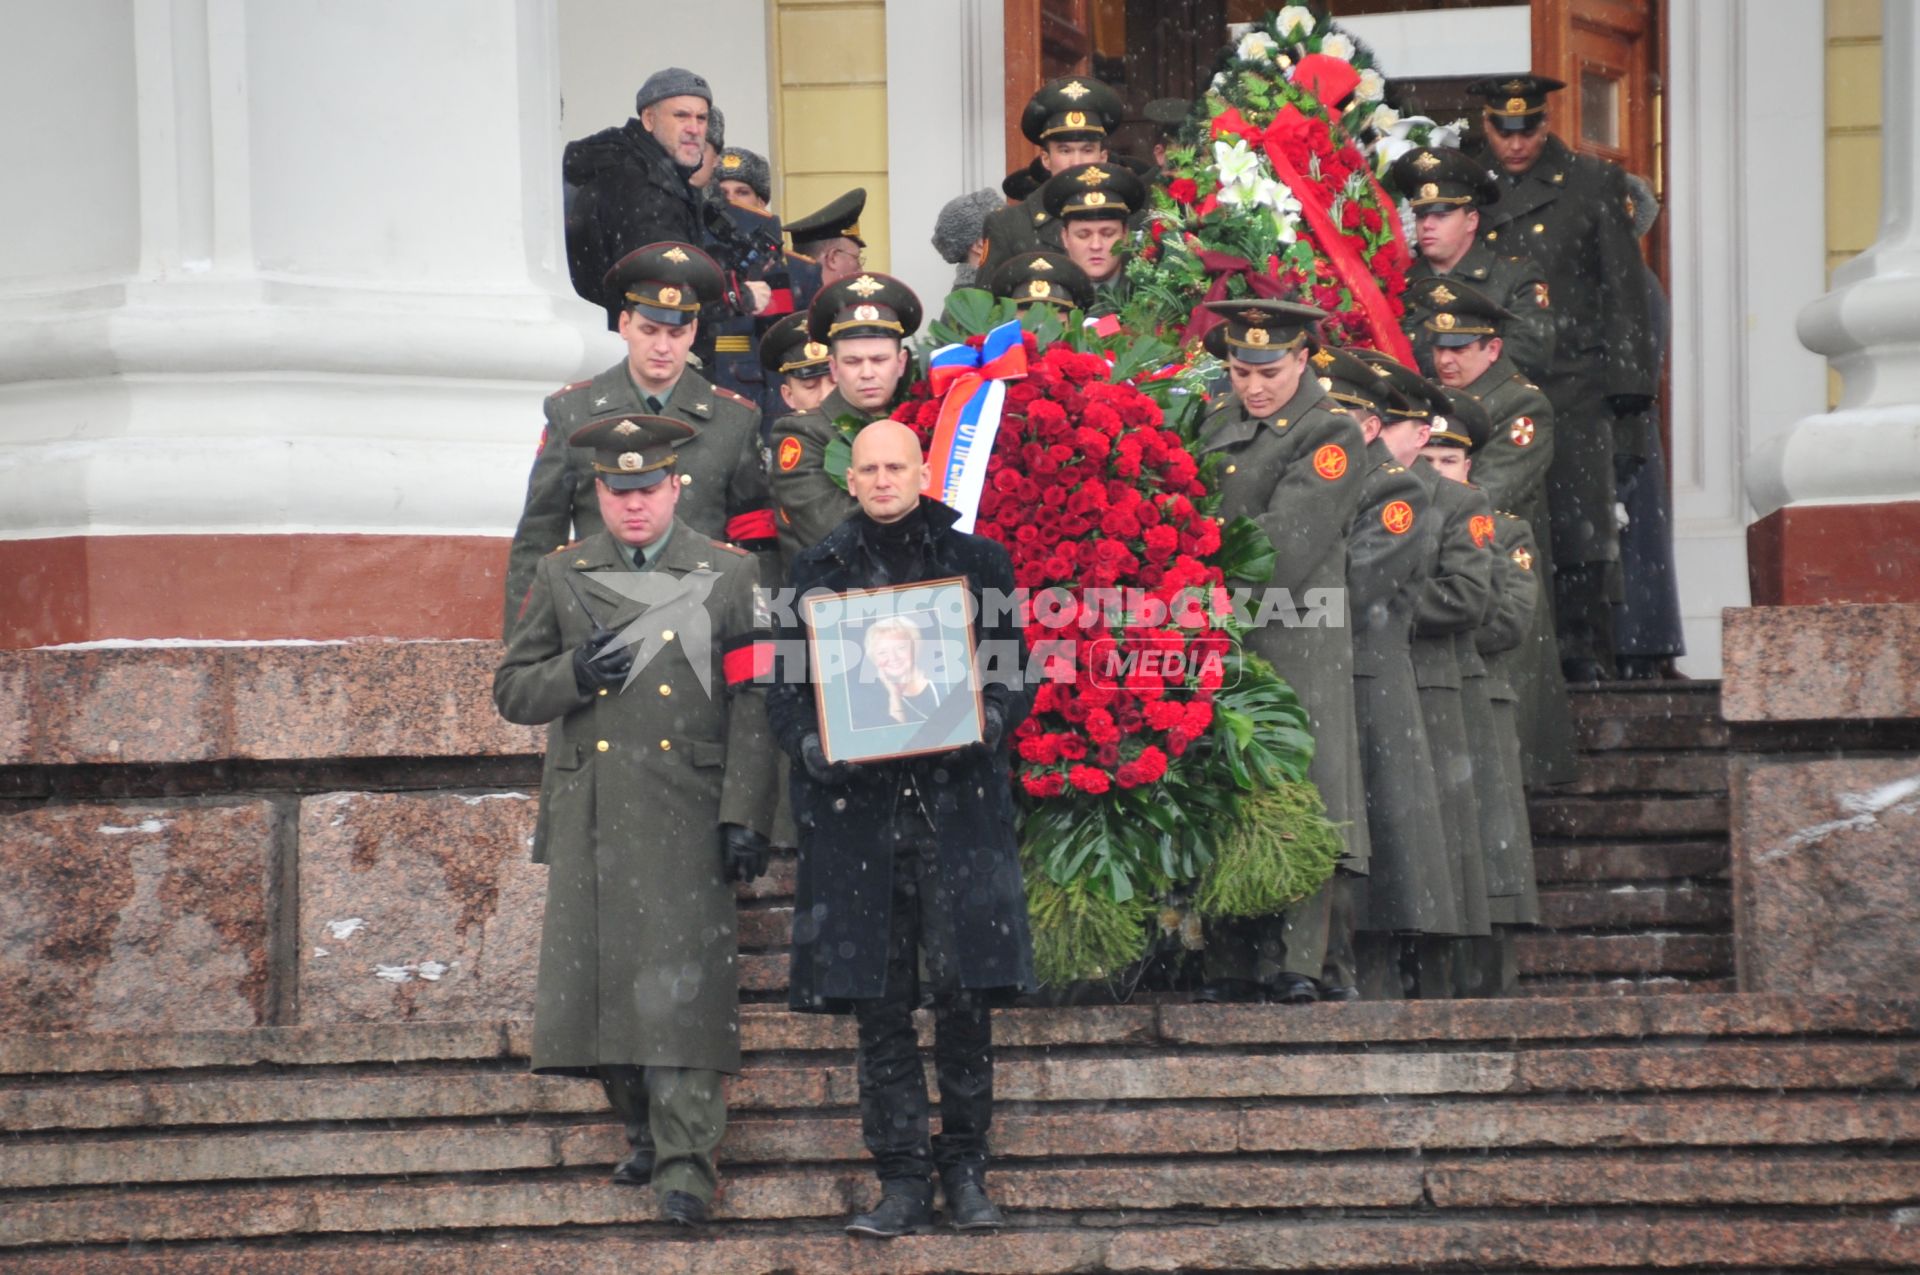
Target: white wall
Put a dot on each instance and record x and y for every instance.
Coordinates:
(609, 47)
(1448, 42)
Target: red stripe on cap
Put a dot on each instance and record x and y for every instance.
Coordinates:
(748, 663)
(755, 524)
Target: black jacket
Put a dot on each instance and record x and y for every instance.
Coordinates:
(623, 192)
(843, 892)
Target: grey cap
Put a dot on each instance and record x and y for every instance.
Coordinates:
(737, 164)
(716, 128)
(1645, 205)
(962, 222)
(675, 81)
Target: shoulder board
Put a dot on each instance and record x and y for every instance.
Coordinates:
(1529, 384)
(568, 389)
(571, 544)
(733, 549)
(741, 399)
(1392, 468)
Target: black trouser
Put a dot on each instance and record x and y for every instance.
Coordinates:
(893, 1082)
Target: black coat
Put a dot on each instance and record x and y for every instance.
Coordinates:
(843, 891)
(623, 192)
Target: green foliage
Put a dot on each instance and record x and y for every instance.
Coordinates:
(1261, 736)
(1079, 933)
(839, 450)
(1246, 552)
(1278, 850)
(969, 312)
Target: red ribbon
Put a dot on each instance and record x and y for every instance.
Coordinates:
(1223, 267)
(1349, 265)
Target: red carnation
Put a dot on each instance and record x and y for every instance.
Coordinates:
(1183, 190)
(1089, 779)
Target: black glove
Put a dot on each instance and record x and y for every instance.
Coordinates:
(743, 853)
(830, 774)
(992, 728)
(595, 667)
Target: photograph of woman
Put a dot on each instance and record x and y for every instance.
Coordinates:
(893, 687)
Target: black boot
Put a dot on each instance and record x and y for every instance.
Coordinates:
(1228, 991)
(968, 1208)
(636, 1169)
(1292, 989)
(905, 1208)
(683, 1208)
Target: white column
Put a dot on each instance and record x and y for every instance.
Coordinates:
(281, 266)
(945, 84)
(1868, 448)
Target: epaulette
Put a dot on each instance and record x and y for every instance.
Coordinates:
(571, 544)
(1040, 219)
(568, 389)
(733, 549)
(1392, 468)
(741, 399)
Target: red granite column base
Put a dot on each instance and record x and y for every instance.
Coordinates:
(1810, 554)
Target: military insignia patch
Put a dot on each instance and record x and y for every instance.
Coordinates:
(814, 350)
(1042, 266)
(1076, 119)
(1256, 336)
(789, 452)
(1521, 432)
(1521, 558)
(1397, 517)
(865, 286)
(632, 460)
(729, 161)
(1429, 191)
(675, 255)
(626, 427)
(669, 296)
(1093, 176)
(1426, 161)
(1516, 86)
(866, 313)
(1074, 91)
(1516, 106)
(1039, 288)
(1480, 527)
(1330, 462)
(1444, 321)
(1540, 295)
(1323, 360)
(1095, 198)
(1443, 294)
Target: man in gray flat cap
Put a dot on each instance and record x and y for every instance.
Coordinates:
(629, 186)
(960, 234)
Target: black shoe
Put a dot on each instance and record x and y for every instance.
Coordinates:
(901, 1211)
(1292, 989)
(969, 1209)
(684, 1209)
(1582, 672)
(1638, 668)
(1228, 991)
(1337, 993)
(636, 1169)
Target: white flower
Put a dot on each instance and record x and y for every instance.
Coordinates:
(1384, 117)
(1337, 45)
(1219, 80)
(1372, 86)
(1237, 165)
(1295, 22)
(1255, 46)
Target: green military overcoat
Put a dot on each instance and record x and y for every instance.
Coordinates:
(807, 502)
(1495, 799)
(1298, 473)
(1451, 605)
(638, 951)
(1390, 555)
(723, 476)
(1514, 283)
(1512, 895)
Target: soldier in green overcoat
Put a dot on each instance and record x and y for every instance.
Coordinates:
(1390, 554)
(1451, 604)
(1511, 467)
(1091, 204)
(639, 648)
(722, 472)
(1069, 119)
(1293, 464)
(1447, 190)
(863, 321)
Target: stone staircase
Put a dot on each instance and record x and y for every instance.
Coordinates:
(1695, 1132)
(1632, 856)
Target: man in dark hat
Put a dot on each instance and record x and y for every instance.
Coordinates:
(1467, 331)
(746, 179)
(1391, 550)
(734, 359)
(831, 237)
(1043, 278)
(653, 801)
(661, 289)
(1450, 606)
(1572, 215)
(1068, 119)
(1446, 190)
(1294, 463)
(629, 186)
(864, 322)
(1090, 205)
(797, 363)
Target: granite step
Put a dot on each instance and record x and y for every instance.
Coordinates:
(1625, 907)
(1630, 1239)
(1602, 818)
(1644, 952)
(1609, 860)
(1621, 773)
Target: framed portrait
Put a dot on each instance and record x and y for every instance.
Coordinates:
(893, 670)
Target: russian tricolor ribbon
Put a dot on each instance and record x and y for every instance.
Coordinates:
(975, 385)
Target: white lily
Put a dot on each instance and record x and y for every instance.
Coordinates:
(1372, 86)
(1337, 45)
(1237, 165)
(1296, 22)
(1255, 46)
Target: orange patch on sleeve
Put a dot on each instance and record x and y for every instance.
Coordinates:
(1330, 462)
(789, 452)
(1397, 517)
